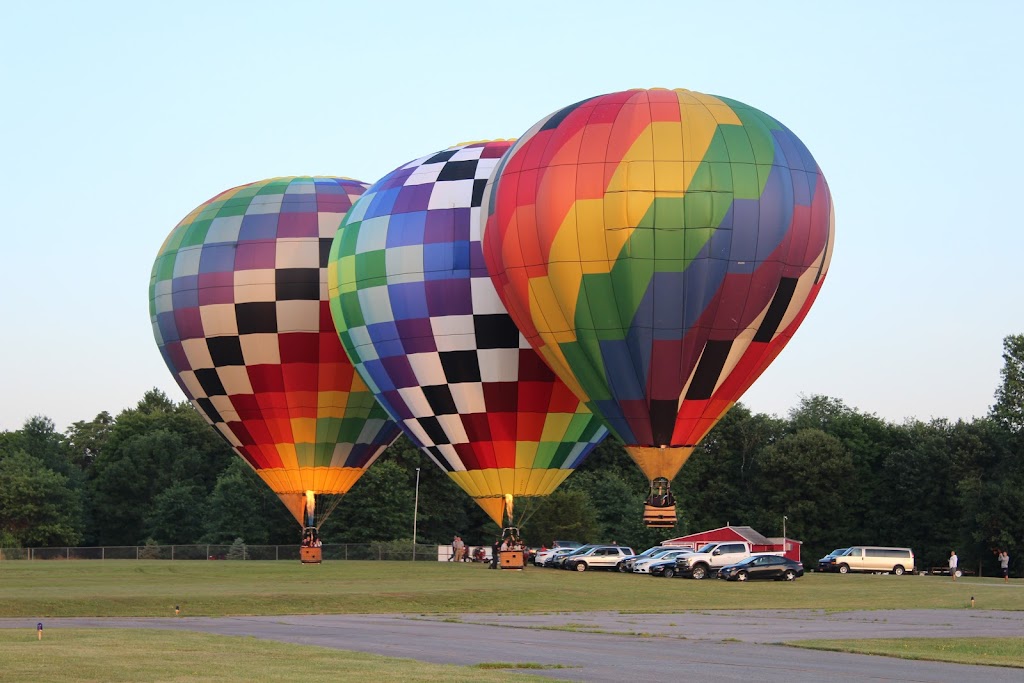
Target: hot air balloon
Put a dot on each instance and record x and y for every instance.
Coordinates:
(418, 315)
(658, 248)
(238, 302)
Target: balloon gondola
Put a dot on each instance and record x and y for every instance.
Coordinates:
(658, 248)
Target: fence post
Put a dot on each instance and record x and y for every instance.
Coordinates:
(207, 551)
(277, 552)
(68, 555)
(136, 552)
(172, 552)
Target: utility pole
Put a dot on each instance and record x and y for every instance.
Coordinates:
(415, 514)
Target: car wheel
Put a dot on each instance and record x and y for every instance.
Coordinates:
(581, 566)
(897, 570)
(789, 575)
(669, 572)
(699, 572)
(742, 576)
(844, 569)
(622, 567)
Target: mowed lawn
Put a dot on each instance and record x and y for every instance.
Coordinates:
(144, 588)
(990, 651)
(141, 655)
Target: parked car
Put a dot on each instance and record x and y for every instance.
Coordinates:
(825, 562)
(561, 558)
(597, 557)
(872, 558)
(626, 563)
(643, 566)
(708, 559)
(774, 567)
(541, 555)
(665, 568)
(548, 559)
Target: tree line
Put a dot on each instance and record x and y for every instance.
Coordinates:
(157, 472)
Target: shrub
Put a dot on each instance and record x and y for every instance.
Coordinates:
(237, 550)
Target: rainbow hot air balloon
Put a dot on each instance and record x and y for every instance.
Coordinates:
(659, 248)
(420, 319)
(238, 302)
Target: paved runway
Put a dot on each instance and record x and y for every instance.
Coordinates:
(726, 645)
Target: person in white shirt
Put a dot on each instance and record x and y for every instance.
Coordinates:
(953, 560)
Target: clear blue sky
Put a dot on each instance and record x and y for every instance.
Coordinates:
(116, 119)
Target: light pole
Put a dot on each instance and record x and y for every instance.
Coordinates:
(415, 514)
(784, 518)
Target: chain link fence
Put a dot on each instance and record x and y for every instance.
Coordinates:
(234, 551)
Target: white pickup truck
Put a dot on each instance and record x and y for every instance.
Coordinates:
(713, 556)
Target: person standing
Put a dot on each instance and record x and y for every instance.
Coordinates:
(457, 546)
(495, 549)
(953, 562)
(1004, 565)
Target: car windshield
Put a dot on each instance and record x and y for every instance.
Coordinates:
(707, 548)
(581, 549)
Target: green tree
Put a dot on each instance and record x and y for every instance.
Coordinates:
(618, 509)
(917, 493)
(176, 515)
(378, 508)
(37, 508)
(805, 476)
(1009, 407)
(566, 515)
(444, 508)
(241, 505)
(150, 448)
(86, 440)
(39, 438)
(716, 485)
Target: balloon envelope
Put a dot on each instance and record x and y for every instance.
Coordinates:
(418, 314)
(238, 302)
(659, 248)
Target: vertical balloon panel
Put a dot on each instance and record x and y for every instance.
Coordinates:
(239, 309)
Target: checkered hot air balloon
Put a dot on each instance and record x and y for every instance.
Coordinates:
(238, 302)
(418, 315)
(658, 248)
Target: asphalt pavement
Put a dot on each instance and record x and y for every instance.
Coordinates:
(713, 645)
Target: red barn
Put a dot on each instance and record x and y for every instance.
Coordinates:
(758, 543)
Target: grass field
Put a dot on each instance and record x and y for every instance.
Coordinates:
(152, 588)
(141, 655)
(992, 651)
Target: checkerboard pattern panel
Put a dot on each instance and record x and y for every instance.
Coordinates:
(238, 302)
(418, 315)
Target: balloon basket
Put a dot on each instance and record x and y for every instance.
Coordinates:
(311, 555)
(511, 559)
(656, 517)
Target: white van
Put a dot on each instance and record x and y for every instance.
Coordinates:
(871, 558)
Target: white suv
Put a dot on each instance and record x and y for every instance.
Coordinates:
(599, 557)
